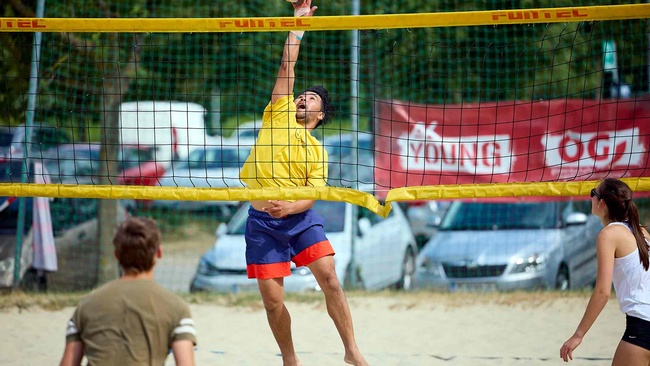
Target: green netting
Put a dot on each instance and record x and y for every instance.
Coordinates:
(231, 74)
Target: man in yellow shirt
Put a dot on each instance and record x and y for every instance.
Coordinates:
(278, 231)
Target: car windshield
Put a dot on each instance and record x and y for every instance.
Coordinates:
(501, 216)
(11, 171)
(132, 157)
(332, 212)
(5, 138)
(215, 158)
(341, 146)
(69, 162)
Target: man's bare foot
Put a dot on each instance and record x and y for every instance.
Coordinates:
(291, 361)
(355, 359)
(296, 362)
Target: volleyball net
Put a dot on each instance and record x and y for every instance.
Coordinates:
(163, 103)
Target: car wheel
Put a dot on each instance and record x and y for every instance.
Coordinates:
(562, 279)
(420, 240)
(352, 278)
(194, 289)
(408, 270)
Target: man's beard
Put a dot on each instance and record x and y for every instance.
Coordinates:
(301, 117)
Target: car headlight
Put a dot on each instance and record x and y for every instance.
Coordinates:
(533, 263)
(205, 268)
(6, 265)
(431, 267)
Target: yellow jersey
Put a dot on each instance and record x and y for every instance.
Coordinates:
(285, 153)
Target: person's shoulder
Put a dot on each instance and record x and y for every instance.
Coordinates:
(107, 287)
(613, 234)
(99, 294)
(281, 101)
(315, 141)
(610, 231)
(169, 297)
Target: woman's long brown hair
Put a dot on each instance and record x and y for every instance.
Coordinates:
(618, 198)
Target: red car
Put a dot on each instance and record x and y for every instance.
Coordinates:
(139, 167)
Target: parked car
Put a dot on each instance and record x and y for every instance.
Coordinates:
(248, 130)
(210, 167)
(340, 145)
(43, 138)
(6, 134)
(75, 228)
(384, 252)
(346, 171)
(425, 218)
(174, 128)
(11, 172)
(69, 162)
(511, 245)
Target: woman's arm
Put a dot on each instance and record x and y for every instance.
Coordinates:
(605, 249)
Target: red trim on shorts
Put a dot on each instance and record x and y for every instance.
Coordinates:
(313, 252)
(267, 271)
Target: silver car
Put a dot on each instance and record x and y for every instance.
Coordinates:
(511, 246)
(209, 167)
(384, 252)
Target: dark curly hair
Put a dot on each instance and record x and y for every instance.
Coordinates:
(326, 103)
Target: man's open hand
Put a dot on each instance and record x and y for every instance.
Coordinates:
(304, 8)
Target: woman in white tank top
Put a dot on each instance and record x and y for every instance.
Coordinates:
(622, 250)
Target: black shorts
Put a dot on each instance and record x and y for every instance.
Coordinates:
(637, 332)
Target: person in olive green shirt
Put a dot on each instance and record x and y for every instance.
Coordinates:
(132, 320)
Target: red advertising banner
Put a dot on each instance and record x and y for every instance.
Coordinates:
(517, 141)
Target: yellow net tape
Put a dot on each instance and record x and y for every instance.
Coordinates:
(389, 21)
(320, 193)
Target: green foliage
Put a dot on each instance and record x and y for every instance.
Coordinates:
(429, 65)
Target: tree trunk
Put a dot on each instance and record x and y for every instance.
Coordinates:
(116, 84)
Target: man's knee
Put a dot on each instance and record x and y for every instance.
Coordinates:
(329, 281)
(272, 294)
(272, 304)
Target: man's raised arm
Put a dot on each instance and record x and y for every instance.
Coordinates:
(285, 79)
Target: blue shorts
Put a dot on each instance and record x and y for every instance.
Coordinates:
(637, 332)
(272, 244)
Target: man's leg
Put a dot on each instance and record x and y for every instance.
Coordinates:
(337, 307)
(272, 292)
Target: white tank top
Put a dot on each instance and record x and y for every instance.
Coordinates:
(632, 284)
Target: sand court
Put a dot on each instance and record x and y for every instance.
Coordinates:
(391, 329)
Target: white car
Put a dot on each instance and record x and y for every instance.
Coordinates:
(339, 146)
(384, 252)
(346, 169)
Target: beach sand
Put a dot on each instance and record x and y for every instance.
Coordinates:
(391, 329)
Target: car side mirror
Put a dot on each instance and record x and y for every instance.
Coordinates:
(221, 229)
(364, 225)
(576, 218)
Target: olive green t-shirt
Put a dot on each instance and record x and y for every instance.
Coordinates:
(130, 322)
